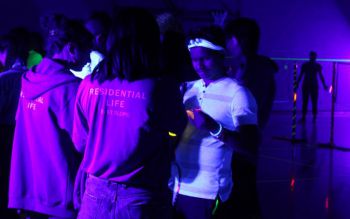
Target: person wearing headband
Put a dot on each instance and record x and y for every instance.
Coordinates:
(218, 108)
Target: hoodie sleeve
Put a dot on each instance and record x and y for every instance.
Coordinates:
(66, 113)
(80, 125)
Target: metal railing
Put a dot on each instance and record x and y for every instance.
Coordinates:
(333, 90)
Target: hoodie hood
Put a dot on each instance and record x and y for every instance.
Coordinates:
(43, 78)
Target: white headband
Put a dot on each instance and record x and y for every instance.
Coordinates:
(199, 42)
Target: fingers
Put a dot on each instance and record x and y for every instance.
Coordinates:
(190, 114)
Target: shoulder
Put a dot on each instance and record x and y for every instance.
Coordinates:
(11, 74)
(191, 88)
(228, 84)
(86, 81)
(231, 89)
(66, 83)
(237, 91)
(88, 85)
(193, 84)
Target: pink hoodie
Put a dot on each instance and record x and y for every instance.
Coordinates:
(44, 161)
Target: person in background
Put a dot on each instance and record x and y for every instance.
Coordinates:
(98, 24)
(221, 112)
(127, 115)
(311, 70)
(257, 73)
(176, 59)
(44, 161)
(16, 47)
(5, 45)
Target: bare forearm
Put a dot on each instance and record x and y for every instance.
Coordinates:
(322, 79)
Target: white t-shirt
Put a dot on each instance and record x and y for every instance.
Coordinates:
(203, 161)
(95, 58)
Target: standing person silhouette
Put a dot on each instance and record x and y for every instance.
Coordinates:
(222, 115)
(310, 70)
(257, 73)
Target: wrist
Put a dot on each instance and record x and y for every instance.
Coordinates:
(216, 133)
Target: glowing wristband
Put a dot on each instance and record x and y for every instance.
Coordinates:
(217, 134)
(172, 134)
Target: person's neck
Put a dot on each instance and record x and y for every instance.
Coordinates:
(208, 81)
(236, 65)
(61, 61)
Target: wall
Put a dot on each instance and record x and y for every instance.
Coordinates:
(293, 28)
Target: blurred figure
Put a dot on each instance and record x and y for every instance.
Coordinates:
(98, 24)
(221, 113)
(257, 73)
(44, 161)
(16, 46)
(176, 60)
(124, 113)
(311, 70)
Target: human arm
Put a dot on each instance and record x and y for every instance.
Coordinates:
(80, 124)
(322, 78)
(243, 140)
(80, 132)
(302, 72)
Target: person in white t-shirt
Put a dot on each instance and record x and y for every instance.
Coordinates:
(98, 24)
(221, 112)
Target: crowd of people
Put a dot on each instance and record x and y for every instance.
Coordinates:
(126, 116)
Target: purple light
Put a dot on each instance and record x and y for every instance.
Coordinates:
(292, 184)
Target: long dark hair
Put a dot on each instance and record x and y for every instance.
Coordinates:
(133, 47)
